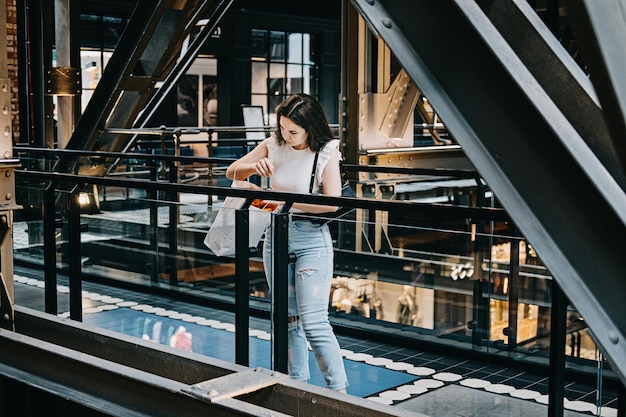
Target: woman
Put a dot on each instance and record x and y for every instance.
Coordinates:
(287, 159)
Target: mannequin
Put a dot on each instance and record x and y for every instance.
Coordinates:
(407, 309)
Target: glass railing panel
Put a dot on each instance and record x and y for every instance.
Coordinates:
(422, 277)
(447, 281)
(28, 240)
(518, 292)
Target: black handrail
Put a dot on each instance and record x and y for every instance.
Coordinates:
(66, 181)
(413, 171)
(431, 209)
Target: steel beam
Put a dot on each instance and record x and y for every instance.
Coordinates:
(559, 75)
(600, 28)
(7, 183)
(104, 386)
(151, 51)
(114, 374)
(557, 190)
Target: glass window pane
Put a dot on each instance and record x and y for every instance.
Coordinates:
(277, 46)
(294, 46)
(259, 43)
(300, 48)
(291, 68)
(309, 53)
(90, 35)
(276, 85)
(310, 80)
(294, 79)
(260, 100)
(112, 30)
(259, 78)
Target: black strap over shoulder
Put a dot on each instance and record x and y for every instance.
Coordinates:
(317, 153)
(346, 191)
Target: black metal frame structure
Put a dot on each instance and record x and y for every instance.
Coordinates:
(541, 135)
(519, 128)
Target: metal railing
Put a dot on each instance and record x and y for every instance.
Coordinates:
(170, 188)
(163, 186)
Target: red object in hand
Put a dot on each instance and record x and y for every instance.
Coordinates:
(264, 205)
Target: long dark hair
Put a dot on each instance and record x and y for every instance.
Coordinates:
(305, 111)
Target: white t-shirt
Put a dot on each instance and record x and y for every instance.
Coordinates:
(293, 167)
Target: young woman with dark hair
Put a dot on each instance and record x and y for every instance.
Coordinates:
(287, 159)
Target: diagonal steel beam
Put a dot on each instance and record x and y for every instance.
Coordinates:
(150, 51)
(563, 199)
(559, 75)
(600, 29)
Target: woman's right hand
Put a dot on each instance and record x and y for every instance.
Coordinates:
(254, 162)
(264, 168)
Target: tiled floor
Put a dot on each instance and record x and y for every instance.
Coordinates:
(407, 378)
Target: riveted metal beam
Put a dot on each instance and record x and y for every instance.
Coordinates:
(110, 373)
(518, 136)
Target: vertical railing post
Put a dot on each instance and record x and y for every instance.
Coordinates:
(50, 249)
(514, 287)
(242, 285)
(172, 264)
(480, 320)
(558, 334)
(280, 291)
(210, 165)
(621, 400)
(74, 255)
(154, 224)
(480, 305)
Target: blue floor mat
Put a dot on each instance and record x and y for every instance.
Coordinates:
(365, 380)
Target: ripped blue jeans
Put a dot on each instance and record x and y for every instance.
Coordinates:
(310, 278)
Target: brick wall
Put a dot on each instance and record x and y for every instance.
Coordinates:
(11, 25)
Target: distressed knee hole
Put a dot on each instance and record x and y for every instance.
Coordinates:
(307, 272)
